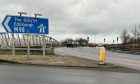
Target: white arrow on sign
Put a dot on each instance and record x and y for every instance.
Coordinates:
(6, 24)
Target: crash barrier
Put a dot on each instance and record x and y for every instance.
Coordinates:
(133, 48)
(21, 42)
(23, 51)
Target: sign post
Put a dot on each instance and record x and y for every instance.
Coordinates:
(13, 46)
(44, 46)
(28, 46)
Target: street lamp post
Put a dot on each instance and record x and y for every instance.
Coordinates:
(43, 43)
(22, 13)
(37, 14)
(28, 44)
(13, 38)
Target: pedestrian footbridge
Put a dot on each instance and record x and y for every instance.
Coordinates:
(22, 41)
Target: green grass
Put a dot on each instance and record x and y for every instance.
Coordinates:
(21, 52)
(50, 60)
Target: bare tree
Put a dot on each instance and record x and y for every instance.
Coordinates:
(125, 37)
(139, 30)
(139, 34)
(135, 33)
(68, 40)
(81, 41)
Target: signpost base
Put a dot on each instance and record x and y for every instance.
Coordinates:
(101, 63)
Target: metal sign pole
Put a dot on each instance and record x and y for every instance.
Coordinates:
(36, 40)
(2, 40)
(24, 40)
(6, 41)
(13, 48)
(39, 40)
(28, 47)
(44, 46)
(51, 45)
(19, 40)
(33, 40)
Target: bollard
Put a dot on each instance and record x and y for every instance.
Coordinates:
(102, 56)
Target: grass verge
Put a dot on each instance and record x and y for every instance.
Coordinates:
(53, 60)
(66, 61)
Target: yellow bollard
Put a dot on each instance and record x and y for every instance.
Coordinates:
(102, 56)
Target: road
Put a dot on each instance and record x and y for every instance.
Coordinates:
(21, 74)
(123, 59)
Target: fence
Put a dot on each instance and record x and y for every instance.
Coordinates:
(132, 48)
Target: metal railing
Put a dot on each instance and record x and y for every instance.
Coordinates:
(21, 41)
(133, 48)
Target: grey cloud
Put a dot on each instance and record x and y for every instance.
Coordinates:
(79, 16)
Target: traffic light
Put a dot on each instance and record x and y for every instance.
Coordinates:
(104, 40)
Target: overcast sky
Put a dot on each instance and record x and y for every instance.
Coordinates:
(73, 18)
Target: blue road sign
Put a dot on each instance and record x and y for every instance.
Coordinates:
(21, 24)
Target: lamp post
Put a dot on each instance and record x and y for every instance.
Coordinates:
(43, 43)
(37, 14)
(22, 13)
(13, 47)
(28, 44)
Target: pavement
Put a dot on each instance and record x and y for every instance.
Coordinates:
(25, 74)
(121, 59)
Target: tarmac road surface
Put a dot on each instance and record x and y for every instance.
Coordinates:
(123, 59)
(21, 74)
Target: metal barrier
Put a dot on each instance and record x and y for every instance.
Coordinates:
(36, 41)
(134, 48)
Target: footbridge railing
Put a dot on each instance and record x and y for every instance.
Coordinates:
(21, 41)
